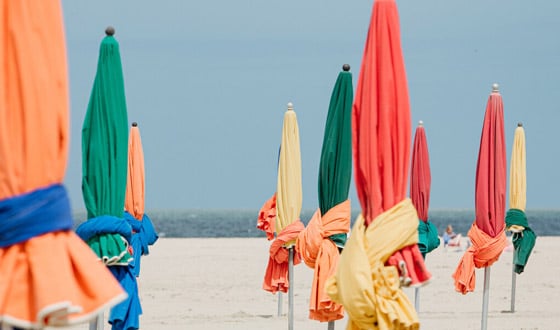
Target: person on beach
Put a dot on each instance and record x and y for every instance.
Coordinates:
(450, 238)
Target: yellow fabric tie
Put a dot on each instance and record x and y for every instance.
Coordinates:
(370, 291)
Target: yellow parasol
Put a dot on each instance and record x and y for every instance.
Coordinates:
(279, 272)
(523, 237)
(289, 193)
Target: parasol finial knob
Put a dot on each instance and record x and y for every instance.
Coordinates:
(520, 124)
(134, 124)
(110, 31)
(346, 67)
(290, 106)
(420, 123)
(495, 88)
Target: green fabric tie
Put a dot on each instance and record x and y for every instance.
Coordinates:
(428, 238)
(523, 242)
(339, 239)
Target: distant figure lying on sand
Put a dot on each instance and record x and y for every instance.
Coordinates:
(450, 238)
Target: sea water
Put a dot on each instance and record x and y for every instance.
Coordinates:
(242, 223)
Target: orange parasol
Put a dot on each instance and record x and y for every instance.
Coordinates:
(50, 277)
(143, 230)
(135, 179)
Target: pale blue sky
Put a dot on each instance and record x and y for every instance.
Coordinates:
(208, 83)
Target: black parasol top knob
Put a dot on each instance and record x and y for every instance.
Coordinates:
(346, 67)
(134, 124)
(110, 31)
(520, 124)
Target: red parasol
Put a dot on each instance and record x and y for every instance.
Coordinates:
(386, 233)
(491, 170)
(420, 175)
(420, 183)
(382, 129)
(487, 232)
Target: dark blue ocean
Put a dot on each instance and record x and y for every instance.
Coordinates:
(242, 223)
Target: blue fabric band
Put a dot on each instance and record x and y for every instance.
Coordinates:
(104, 224)
(39, 212)
(144, 236)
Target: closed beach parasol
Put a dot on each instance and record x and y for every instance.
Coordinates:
(49, 277)
(104, 176)
(523, 236)
(326, 232)
(144, 233)
(420, 182)
(487, 233)
(387, 228)
(279, 272)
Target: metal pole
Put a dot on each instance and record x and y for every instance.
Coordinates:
(280, 303)
(291, 289)
(330, 326)
(485, 295)
(417, 299)
(97, 323)
(513, 278)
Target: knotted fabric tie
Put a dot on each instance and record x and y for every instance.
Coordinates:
(428, 238)
(35, 213)
(321, 254)
(523, 238)
(267, 217)
(368, 289)
(276, 276)
(484, 251)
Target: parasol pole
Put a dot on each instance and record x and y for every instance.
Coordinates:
(417, 299)
(97, 323)
(485, 296)
(291, 288)
(513, 279)
(280, 303)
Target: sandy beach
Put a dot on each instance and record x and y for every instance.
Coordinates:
(216, 284)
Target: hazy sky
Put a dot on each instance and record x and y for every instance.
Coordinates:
(208, 83)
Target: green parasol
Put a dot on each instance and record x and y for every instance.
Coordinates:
(335, 169)
(105, 153)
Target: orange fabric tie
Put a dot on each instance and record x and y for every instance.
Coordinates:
(321, 254)
(276, 276)
(484, 251)
(267, 217)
